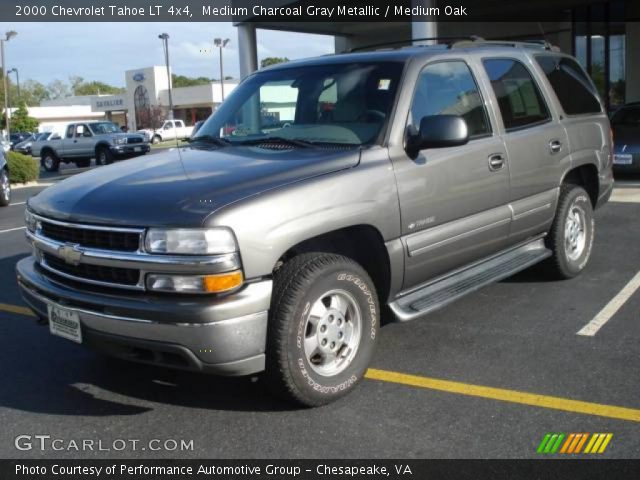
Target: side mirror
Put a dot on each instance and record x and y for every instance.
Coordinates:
(438, 131)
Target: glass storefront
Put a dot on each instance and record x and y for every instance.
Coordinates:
(599, 45)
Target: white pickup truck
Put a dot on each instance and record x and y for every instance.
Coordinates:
(170, 130)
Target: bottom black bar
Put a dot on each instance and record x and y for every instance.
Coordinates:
(320, 469)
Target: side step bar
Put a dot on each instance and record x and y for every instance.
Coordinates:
(450, 288)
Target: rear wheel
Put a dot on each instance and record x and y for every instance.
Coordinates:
(50, 162)
(323, 327)
(5, 188)
(104, 156)
(572, 233)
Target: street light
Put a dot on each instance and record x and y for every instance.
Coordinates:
(165, 44)
(8, 36)
(220, 43)
(15, 70)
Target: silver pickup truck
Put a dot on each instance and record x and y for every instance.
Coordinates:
(86, 140)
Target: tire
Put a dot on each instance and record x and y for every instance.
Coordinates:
(50, 162)
(83, 163)
(5, 188)
(103, 156)
(156, 139)
(306, 335)
(572, 233)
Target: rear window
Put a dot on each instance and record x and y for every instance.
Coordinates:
(627, 116)
(572, 86)
(519, 98)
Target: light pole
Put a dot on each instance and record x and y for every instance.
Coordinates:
(220, 43)
(165, 44)
(7, 115)
(15, 70)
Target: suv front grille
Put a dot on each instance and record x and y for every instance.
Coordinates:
(135, 140)
(98, 273)
(102, 239)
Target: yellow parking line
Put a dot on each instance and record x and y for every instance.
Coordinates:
(16, 309)
(513, 396)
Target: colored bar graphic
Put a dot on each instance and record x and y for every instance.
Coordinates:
(573, 443)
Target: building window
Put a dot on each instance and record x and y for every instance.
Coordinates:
(599, 45)
(142, 107)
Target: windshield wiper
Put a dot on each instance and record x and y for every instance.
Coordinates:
(221, 142)
(285, 140)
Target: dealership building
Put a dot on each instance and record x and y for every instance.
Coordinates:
(603, 35)
(144, 102)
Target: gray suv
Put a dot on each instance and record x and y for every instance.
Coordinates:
(321, 194)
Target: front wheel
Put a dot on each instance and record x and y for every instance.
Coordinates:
(50, 162)
(104, 156)
(5, 188)
(156, 139)
(572, 233)
(323, 327)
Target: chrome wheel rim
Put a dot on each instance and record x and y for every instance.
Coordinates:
(48, 162)
(332, 332)
(575, 236)
(6, 187)
(102, 158)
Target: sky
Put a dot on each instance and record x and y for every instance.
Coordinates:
(104, 51)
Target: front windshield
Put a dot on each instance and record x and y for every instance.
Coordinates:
(344, 103)
(104, 127)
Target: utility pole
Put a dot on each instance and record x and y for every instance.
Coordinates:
(165, 43)
(220, 43)
(7, 115)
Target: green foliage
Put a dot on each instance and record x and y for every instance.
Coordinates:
(272, 61)
(22, 122)
(183, 81)
(22, 168)
(80, 87)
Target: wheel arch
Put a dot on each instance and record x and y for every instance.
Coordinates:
(585, 175)
(362, 243)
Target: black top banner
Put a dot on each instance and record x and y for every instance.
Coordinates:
(291, 11)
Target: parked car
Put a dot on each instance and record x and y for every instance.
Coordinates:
(85, 140)
(170, 130)
(4, 143)
(5, 185)
(436, 171)
(626, 134)
(24, 147)
(18, 137)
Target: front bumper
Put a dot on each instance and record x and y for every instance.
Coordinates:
(223, 335)
(133, 149)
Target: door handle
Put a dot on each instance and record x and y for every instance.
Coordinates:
(555, 146)
(496, 162)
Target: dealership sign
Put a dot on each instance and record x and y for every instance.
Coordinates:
(108, 103)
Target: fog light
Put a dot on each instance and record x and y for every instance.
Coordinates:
(222, 282)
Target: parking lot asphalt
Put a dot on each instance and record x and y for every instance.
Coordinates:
(489, 375)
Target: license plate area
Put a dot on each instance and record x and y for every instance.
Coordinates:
(623, 159)
(64, 322)
(137, 149)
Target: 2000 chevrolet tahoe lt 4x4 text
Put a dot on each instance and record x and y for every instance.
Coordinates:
(319, 192)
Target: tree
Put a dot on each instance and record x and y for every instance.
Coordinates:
(58, 89)
(152, 117)
(96, 88)
(268, 61)
(33, 93)
(178, 81)
(21, 121)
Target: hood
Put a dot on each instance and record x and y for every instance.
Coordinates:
(626, 139)
(181, 187)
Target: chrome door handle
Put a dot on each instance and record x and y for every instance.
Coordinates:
(496, 162)
(555, 146)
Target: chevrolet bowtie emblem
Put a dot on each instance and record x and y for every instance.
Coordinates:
(70, 253)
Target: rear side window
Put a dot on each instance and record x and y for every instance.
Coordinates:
(519, 98)
(449, 88)
(573, 89)
(629, 116)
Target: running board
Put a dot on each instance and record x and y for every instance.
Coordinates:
(450, 288)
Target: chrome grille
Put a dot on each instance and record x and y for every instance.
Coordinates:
(135, 140)
(92, 238)
(95, 273)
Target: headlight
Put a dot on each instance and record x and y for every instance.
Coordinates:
(222, 282)
(30, 221)
(120, 140)
(193, 241)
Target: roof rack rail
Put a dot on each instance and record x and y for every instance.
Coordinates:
(539, 44)
(445, 40)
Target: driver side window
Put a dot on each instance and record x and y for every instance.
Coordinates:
(449, 88)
